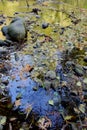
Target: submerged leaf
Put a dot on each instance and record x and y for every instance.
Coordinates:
(51, 102)
(68, 118)
(85, 81)
(82, 108)
(78, 84)
(28, 110)
(3, 120)
(17, 103)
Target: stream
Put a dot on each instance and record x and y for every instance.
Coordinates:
(44, 80)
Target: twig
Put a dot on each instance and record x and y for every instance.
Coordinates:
(27, 3)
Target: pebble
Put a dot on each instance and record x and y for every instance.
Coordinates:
(50, 75)
(45, 25)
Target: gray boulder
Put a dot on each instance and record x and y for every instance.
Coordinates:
(16, 30)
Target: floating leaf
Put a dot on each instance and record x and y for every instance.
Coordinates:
(82, 108)
(17, 103)
(28, 110)
(51, 102)
(3, 120)
(68, 117)
(77, 110)
(27, 68)
(13, 118)
(79, 84)
(85, 81)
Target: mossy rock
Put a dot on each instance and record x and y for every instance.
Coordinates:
(16, 30)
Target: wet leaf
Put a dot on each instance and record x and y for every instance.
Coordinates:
(3, 120)
(79, 84)
(28, 110)
(85, 81)
(13, 119)
(51, 102)
(68, 117)
(44, 123)
(45, 3)
(17, 103)
(27, 68)
(82, 108)
(76, 110)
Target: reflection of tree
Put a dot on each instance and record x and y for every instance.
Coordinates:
(78, 3)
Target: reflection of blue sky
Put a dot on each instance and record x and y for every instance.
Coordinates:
(37, 99)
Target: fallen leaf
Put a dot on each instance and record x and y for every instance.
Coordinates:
(17, 103)
(3, 120)
(27, 68)
(45, 3)
(68, 118)
(79, 84)
(82, 108)
(28, 110)
(51, 102)
(85, 81)
(13, 118)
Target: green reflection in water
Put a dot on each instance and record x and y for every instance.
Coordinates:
(77, 3)
(49, 14)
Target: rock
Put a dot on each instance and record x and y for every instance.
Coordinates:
(54, 84)
(3, 43)
(85, 58)
(45, 25)
(47, 84)
(78, 69)
(50, 75)
(85, 81)
(68, 65)
(16, 30)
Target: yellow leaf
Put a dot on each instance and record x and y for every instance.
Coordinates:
(82, 108)
(68, 117)
(51, 102)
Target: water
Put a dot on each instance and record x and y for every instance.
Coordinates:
(77, 3)
(37, 99)
(51, 12)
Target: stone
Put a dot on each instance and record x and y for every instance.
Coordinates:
(16, 30)
(55, 84)
(50, 75)
(45, 25)
(78, 69)
(47, 84)
(85, 58)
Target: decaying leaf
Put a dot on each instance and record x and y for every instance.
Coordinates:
(85, 80)
(79, 84)
(26, 68)
(82, 108)
(45, 3)
(17, 103)
(68, 118)
(51, 102)
(3, 120)
(44, 123)
(13, 118)
(28, 110)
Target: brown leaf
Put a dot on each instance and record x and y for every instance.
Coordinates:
(17, 103)
(13, 118)
(28, 68)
